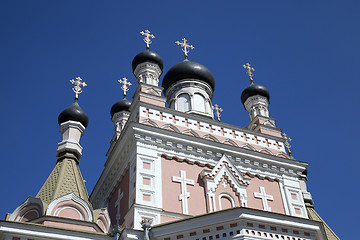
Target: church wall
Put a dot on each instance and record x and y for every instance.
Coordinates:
(225, 191)
(124, 202)
(172, 190)
(271, 188)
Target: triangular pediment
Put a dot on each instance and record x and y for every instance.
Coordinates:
(225, 168)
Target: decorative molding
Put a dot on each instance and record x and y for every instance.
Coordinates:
(72, 197)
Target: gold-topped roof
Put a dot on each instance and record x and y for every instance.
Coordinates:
(185, 46)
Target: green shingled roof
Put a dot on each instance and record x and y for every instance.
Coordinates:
(313, 215)
(65, 178)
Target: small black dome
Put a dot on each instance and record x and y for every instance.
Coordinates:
(188, 70)
(73, 113)
(147, 56)
(253, 90)
(122, 105)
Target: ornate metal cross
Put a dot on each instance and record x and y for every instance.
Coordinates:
(217, 111)
(287, 144)
(124, 87)
(147, 38)
(77, 89)
(185, 45)
(249, 71)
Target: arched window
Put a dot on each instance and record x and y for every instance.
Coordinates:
(183, 102)
(226, 201)
(199, 102)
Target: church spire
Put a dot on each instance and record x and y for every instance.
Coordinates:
(256, 99)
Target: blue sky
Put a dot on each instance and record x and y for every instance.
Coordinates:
(305, 52)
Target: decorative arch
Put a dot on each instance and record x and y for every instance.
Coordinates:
(224, 169)
(265, 150)
(283, 155)
(149, 122)
(199, 102)
(210, 137)
(31, 208)
(191, 132)
(70, 203)
(183, 102)
(170, 127)
(103, 220)
(230, 142)
(228, 197)
(248, 146)
(152, 90)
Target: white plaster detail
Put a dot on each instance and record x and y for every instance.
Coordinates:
(226, 195)
(73, 197)
(117, 205)
(264, 198)
(150, 121)
(184, 195)
(175, 129)
(213, 178)
(30, 200)
(71, 132)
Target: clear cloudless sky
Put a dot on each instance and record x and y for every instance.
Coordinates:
(305, 52)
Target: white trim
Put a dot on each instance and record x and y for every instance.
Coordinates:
(227, 196)
(73, 197)
(28, 201)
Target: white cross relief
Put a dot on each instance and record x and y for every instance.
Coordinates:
(117, 205)
(183, 197)
(264, 198)
(224, 184)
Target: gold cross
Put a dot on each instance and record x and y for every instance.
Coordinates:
(217, 111)
(125, 82)
(77, 89)
(249, 71)
(287, 144)
(147, 38)
(185, 45)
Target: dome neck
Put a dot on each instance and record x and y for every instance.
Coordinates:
(71, 132)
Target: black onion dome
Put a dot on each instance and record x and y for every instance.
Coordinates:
(74, 113)
(188, 70)
(253, 90)
(122, 105)
(147, 56)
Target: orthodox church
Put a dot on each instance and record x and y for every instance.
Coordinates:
(173, 169)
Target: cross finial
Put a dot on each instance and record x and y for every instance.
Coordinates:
(249, 71)
(147, 38)
(217, 111)
(185, 46)
(77, 89)
(124, 86)
(287, 144)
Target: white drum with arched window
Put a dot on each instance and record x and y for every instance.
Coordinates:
(183, 102)
(199, 103)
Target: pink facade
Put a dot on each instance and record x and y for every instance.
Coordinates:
(119, 201)
(171, 190)
(261, 193)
